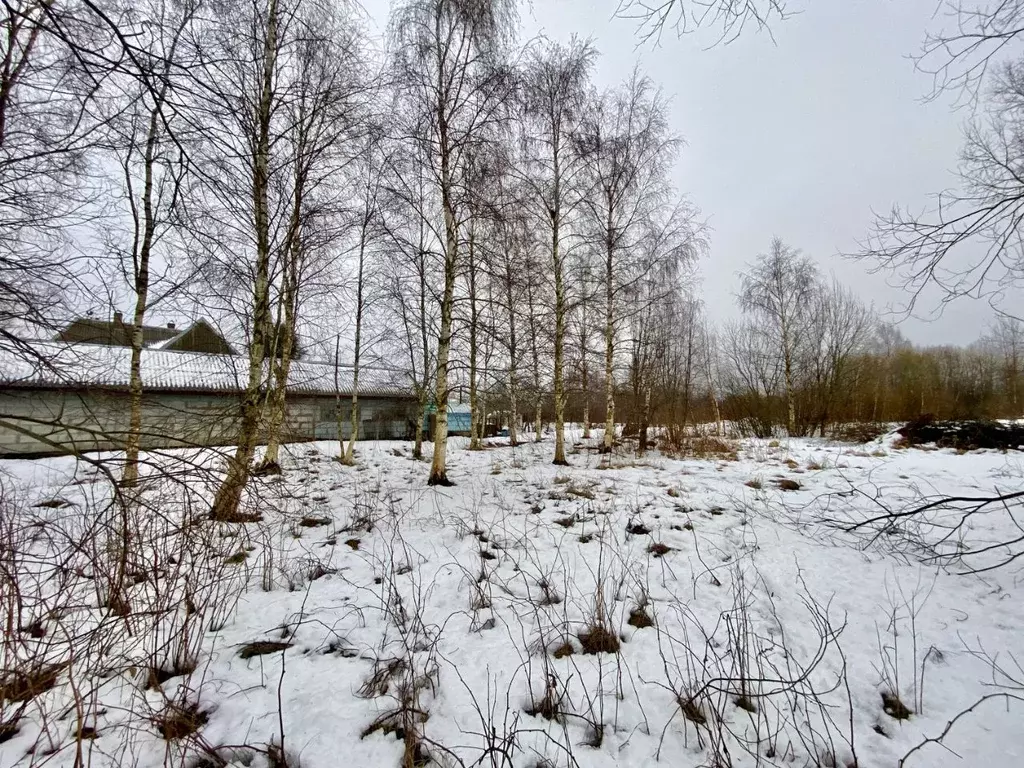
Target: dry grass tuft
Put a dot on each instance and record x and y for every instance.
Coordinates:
(744, 702)
(894, 707)
(640, 618)
(377, 684)
(24, 685)
(550, 705)
(658, 549)
(8, 729)
(318, 570)
(549, 595)
(705, 447)
(237, 517)
(787, 484)
(403, 724)
(563, 650)
(545, 708)
(262, 647)
(315, 522)
(180, 721)
(581, 492)
(755, 482)
(598, 639)
(636, 528)
(53, 504)
(692, 711)
(159, 675)
(388, 724)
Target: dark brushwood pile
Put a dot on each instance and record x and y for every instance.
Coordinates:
(963, 435)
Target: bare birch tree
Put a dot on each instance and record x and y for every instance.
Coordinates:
(582, 321)
(629, 151)
(752, 374)
(238, 105)
(370, 175)
(1006, 338)
(654, 289)
(967, 242)
(53, 60)
(448, 65)
(482, 179)
(535, 319)
(507, 262)
(731, 17)
(555, 97)
(840, 328)
(147, 143)
(780, 290)
(709, 340)
(411, 281)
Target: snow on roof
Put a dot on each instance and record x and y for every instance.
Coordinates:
(118, 333)
(163, 344)
(61, 365)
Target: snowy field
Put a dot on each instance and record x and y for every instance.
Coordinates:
(753, 605)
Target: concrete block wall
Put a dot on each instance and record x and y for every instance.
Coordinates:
(57, 421)
(379, 418)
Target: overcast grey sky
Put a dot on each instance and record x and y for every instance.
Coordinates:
(799, 137)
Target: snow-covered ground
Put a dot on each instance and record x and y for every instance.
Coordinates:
(735, 622)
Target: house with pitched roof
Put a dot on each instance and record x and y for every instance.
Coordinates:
(199, 336)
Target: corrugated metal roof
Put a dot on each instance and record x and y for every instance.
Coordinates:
(61, 365)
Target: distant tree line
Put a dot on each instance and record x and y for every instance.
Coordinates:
(808, 357)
